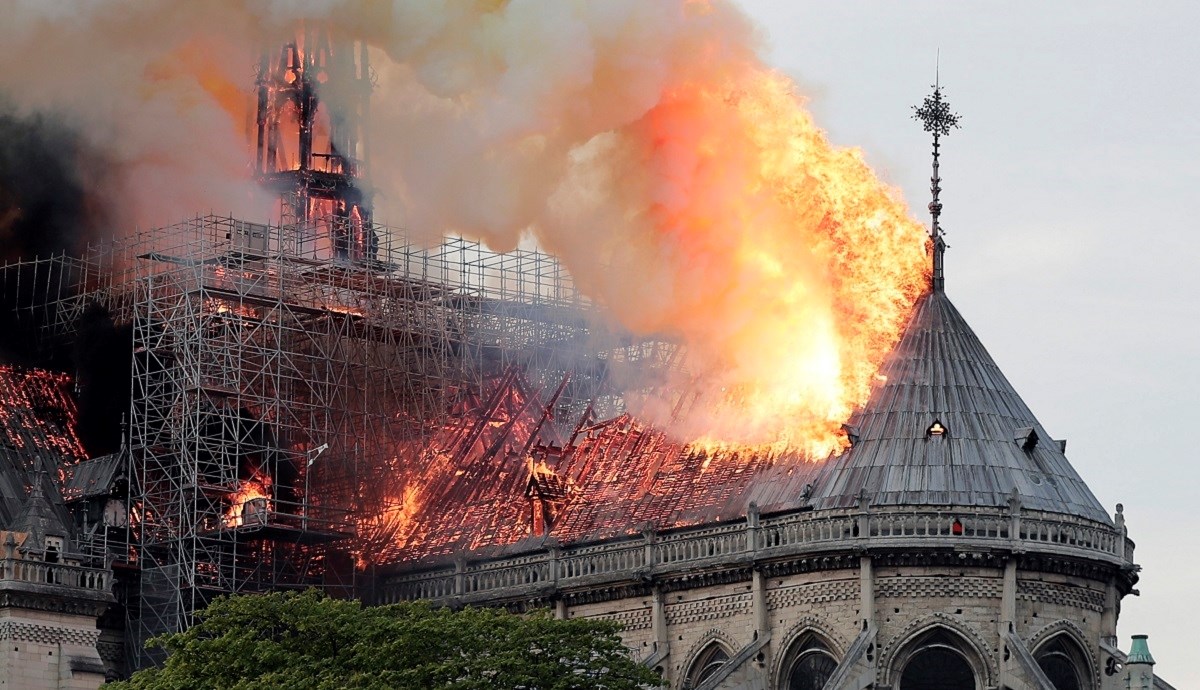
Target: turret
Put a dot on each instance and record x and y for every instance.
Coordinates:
(1139, 665)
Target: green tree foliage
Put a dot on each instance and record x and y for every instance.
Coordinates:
(308, 641)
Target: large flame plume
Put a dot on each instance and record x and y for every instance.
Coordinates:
(791, 268)
(645, 143)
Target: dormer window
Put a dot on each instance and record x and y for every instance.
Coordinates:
(1027, 438)
(936, 430)
(54, 549)
(851, 433)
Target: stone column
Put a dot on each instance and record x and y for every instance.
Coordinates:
(1008, 602)
(758, 591)
(658, 619)
(866, 569)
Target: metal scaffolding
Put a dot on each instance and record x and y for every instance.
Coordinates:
(279, 388)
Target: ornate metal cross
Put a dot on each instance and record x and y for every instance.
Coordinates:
(937, 118)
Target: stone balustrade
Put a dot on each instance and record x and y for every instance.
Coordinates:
(60, 574)
(514, 572)
(702, 544)
(756, 539)
(597, 560)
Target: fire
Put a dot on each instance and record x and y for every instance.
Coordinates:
(38, 413)
(223, 307)
(250, 503)
(679, 180)
(789, 268)
(345, 309)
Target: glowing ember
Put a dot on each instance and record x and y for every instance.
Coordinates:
(345, 309)
(223, 307)
(251, 503)
(37, 413)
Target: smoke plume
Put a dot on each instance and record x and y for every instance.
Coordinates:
(643, 142)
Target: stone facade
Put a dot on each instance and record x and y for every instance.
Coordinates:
(49, 650)
(48, 633)
(857, 596)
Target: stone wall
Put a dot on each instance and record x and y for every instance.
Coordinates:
(907, 601)
(40, 649)
(869, 587)
(48, 629)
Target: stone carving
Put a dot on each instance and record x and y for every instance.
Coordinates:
(1062, 595)
(47, 634)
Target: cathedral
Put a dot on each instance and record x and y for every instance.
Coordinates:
(950, 546)
(52, 598)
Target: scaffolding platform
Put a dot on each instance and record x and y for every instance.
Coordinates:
(260, 356)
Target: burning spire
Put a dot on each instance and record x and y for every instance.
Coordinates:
(937, 118)
(311, 131)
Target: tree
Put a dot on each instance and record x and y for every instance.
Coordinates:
(309, 641)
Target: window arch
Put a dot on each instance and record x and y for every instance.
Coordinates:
(811, 670)
(808, 664)
(707, 663)
(1064, 663)
(939, 660)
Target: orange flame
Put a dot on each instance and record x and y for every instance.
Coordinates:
(791, 269)
(243, 503)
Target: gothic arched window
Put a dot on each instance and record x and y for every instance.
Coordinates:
(811, 670)
(707, 663)
(808, 665)
(1063, 663)
(939, 660)
(937, 668)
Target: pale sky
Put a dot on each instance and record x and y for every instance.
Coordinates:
(1070, 204)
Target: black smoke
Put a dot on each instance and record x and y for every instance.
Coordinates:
(49, 183)
(52, 202)
(103, 359)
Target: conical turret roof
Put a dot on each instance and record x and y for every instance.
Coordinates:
(990, 444)
(38, 517)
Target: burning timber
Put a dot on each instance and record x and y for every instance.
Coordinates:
(291, 406)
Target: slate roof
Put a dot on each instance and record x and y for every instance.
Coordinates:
(41, 514)
(939, 371)
(92, 477)
(37, 433)
(625, 476)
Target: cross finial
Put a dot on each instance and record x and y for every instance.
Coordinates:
(936, 118)
(934, 113)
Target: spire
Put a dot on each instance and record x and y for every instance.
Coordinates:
(937, 119)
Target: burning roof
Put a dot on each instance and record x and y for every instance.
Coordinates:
(37, 431)
(488, 487)
(616, 478)
(37, 415)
